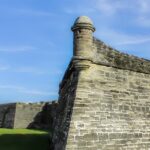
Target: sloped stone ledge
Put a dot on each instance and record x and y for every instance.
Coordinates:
(106, 55)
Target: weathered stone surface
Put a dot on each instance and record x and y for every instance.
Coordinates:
(104, 99)
(28, 115)
(113, 113)
(7, 115)
(64, 110)
(44, 118)
(84, 20)
(106, 55)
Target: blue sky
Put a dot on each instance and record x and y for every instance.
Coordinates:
(36, 40)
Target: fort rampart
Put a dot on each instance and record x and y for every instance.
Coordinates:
(27, 115)
(104, 99)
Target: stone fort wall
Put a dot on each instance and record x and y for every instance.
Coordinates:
(27, 115)
(7, 115)
(104, 99)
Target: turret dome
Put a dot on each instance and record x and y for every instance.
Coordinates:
(83, 22)
(83, 19)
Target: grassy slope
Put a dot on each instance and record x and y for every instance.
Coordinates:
(23, 139)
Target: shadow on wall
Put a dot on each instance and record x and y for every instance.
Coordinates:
(24, 142)
(7, 114)
(61, 125)
(4, 118)
(45, 118)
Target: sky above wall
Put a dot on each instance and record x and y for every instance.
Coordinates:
(36, 40)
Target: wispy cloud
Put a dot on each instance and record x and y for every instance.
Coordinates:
(79, 10)
(11, 87)
(134, 40)
(112, 7)
(139, 10)
(38, 71)
(38, 92)
(4, 67)
(109, 7)
(16, 48)
(31, 12)
(143, 6)
(119, 38)
(102, 7)
(31, 70)
(21, 89)
(143, 13)
(25, 11)
(137, 45)
(143, 21)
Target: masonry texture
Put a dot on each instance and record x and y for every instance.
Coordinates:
(104, 101)
(28, 115)
(7, 115)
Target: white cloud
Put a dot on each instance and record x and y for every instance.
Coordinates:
(104, 7)
(29, 70)
(38, 92)
(38, 71)
(114, 7)
(134, 40)
(4, 67)
(144, 6)
(79, 10)
(139, 10)
(21, 89)
(108, 7)
(24, 11)
(136, 45)
(16, 48)
(33, 12)
(118, 38)
(143, 21)
(11, 87)
(143, 13)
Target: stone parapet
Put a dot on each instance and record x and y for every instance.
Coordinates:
(106, 55)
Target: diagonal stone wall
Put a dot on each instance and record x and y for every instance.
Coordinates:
(104, 99)
(64, 109)
(111, 110)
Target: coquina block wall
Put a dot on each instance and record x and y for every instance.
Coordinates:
(7, 115)
(104, 101)
(35, 115)
(28, 115)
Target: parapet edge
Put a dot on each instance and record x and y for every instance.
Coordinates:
(108, 56)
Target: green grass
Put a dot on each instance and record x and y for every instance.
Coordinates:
(23, 139)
